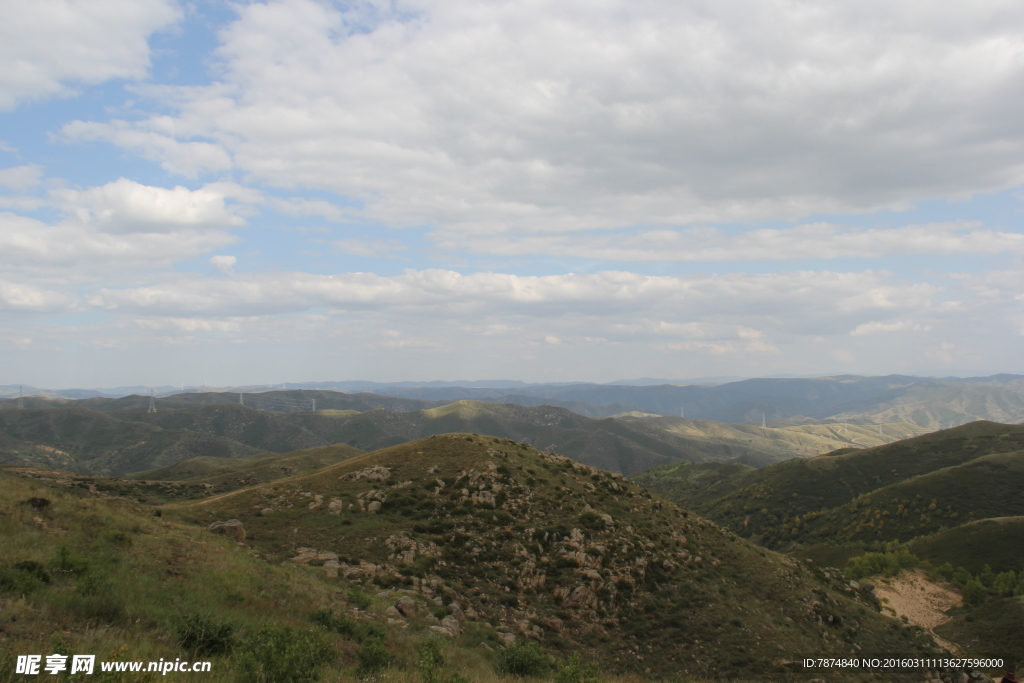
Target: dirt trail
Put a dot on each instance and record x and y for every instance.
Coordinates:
(922, 602)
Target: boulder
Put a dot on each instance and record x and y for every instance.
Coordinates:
(442, 630)
(373, 506)
(455, 611)
(406, 605)
(393, 612)
(232, 528)
(452, 625)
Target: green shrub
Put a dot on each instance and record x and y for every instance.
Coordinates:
(974, 592)
(34, 568)
(1004, 584)
(14, 580)
(359, 599)
(886, 564)
(203, 636)
(282, 655)
(431, 661)
(590, 520)
(69, 563)
(373, 657)
(524, 658)
(574, 670)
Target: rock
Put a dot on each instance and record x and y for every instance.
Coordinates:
(266, 511)
(506, 638)
(373, 507)
(854, 585)
(392, 611)
(232, 528)
(336, 506)
(305, 556)
(406, 605)
(383, 595)
(452, 625)
(431, 619)
(331, 568)
(456, 611)
(442, 630)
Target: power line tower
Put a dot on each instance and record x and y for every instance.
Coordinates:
(152, 402)
(241, 401)
(314, 405)
(21, 397)
(682, 412)
(764, 423)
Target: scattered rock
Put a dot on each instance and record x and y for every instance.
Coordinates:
(232, 528)
(406, 605)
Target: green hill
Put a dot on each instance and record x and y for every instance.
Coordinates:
(81, 440)
(996, 542)
(577, 558)
(224, 474)
(770, 503)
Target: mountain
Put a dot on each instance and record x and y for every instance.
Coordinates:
(81, 440)
(773, 504)
(531, 543)
(118, 436)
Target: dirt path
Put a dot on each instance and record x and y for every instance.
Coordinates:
(921, 601)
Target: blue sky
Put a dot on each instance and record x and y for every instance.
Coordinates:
(296, 190)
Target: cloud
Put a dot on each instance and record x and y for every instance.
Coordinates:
(874, 327)
(369, 248)
(185, 158)
(548, 117)
(614, 305)
(21, 178)
(697, 245)
(21, 298)
(122, 225)
(224, 264)
(49, 46)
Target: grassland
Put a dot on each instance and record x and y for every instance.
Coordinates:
(529, 545)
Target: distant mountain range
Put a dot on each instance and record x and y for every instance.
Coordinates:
(932, 403)
(106, 436)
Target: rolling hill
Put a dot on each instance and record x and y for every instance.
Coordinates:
(772, 504)
(535, 544)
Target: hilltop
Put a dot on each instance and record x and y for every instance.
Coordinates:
(535, 544)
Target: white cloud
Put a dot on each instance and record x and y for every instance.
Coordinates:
(814, 241)
(492, 118)
(874, 327)
(22, 298)
(616, 305)
(358, 247)
(224, 264)
(49, 46)
(21, 178)
(186, 158)
(124, 206)
(122, 225)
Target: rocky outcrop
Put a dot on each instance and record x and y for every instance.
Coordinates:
(232, 528)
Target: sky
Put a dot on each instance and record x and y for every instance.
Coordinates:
(299, 190)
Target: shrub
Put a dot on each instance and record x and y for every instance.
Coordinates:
(15, 580)
(431, 661)
(282, 655)
(34, 568)
(974, 592)
(524, 658)
(886, 564)
(203, 636)
(574, 670)
(359, 599)
(590, 520)
(1004, 584)
(373, 657)
(67, 562)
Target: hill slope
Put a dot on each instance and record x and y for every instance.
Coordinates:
(770, 503)
(577, 558)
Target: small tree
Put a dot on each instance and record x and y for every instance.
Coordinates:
(524, 658)
(1004, 584)
(974, 592)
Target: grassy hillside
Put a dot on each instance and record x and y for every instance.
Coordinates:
(982, 488)
(996, 542)
(577, 558)
(771, 503)
(82, 440)
(224, 474)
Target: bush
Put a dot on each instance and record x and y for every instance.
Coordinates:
(14, 580)
(431, 661)
(203, 636)
(524, 658)
(1004, 584)
(974, 592)
(359, 599)
(574, 670)
(67, 562)
(373, 657)
(282, 655)
(887, 564)
(34, 568)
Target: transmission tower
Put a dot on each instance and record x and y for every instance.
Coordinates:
(21, 397)
(682, 412)
(241, 401)
(764, 423)
(152, 402)
(314, 405)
